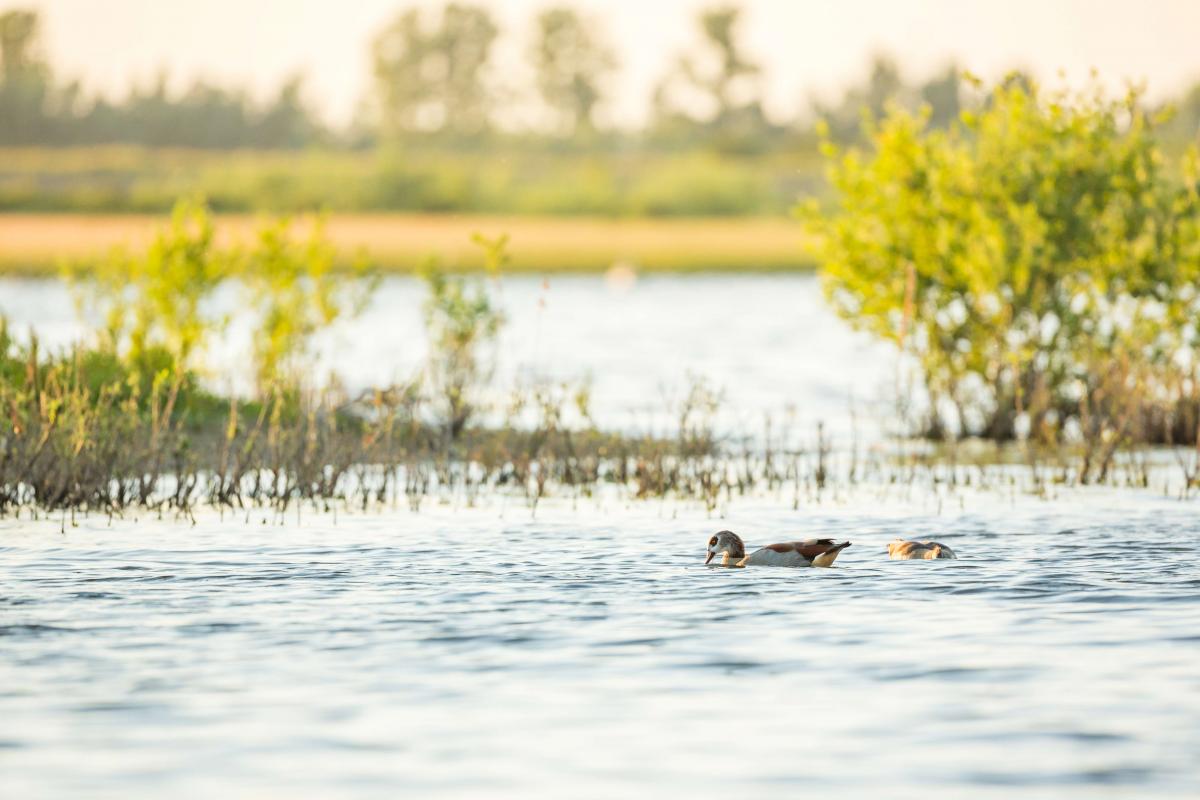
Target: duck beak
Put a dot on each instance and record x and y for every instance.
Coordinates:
(710, 556)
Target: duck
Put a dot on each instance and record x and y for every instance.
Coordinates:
(904, 550)
(808, 553)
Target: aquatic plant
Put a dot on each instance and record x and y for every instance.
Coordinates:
(154, 301)
(462, 323)
(295, 289)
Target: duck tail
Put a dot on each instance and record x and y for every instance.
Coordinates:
(829, 556)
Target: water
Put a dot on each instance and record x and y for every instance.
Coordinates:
(590, 653)
(768, 341)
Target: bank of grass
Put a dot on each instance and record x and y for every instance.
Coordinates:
(38, 244)
(503, 177)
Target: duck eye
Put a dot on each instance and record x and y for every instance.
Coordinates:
(713, 540)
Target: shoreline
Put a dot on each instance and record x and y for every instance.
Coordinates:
(37, 245)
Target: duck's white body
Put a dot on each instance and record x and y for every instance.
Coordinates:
(792, 554)
(909, 551)
(808, 553)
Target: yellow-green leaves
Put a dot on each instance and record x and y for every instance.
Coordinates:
(292, 285)
(461, 322)
(155, 300)
(1041, 232)
(160, 309)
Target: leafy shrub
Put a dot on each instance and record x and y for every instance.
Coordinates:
(1037, 259)
(158, 306)
(462, 323)
(293, 287)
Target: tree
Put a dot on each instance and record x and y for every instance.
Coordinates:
(884, 85)
(942, 93)
(286, 123)
(1185, 122)
(721, 77)
(1037, 259)
(432, 78)
(24, 80)
(572, 64)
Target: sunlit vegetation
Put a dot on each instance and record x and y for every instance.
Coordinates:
(1034, 258)
(517, 178)
(1037, 261)
(125, 421)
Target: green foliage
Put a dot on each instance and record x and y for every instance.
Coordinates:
(294, 288)
(700, 186)
(1037, 259)
(155, 301)
(429, 76)
(507, 178)
(462, 323)
(24, 78)
(158, 306)
(572, 65)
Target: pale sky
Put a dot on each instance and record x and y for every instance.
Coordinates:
(806, 46)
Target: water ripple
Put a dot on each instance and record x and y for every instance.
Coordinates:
(454, 653)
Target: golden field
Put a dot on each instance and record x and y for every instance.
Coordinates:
(38, 244)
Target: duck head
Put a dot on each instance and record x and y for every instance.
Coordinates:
(725, 542)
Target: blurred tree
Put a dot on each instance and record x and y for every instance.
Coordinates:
(884, 85)
(572, 64)
(716, 89)
(398, 56)
(465, 43)
(942, 93)
(720, 76)
(24, 80)
(733, 85)
(287, 123)
(433, 79)
(1184, 124)
(34, 109)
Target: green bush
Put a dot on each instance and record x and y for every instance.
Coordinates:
(463, 324)
(158, 307)
(1037, 259)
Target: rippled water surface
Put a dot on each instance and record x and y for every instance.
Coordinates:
(589, 653)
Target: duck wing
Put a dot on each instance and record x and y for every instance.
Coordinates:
(810, 552)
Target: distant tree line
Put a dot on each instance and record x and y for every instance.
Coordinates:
(434, 77)
(36, 108)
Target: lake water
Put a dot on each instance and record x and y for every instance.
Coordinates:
(588, 652)
(768, 341)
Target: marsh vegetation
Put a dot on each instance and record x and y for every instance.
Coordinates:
(1034, 264)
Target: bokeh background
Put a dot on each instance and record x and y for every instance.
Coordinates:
(671, 111)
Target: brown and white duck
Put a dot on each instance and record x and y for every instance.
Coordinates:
(809, 553)
(903, 550)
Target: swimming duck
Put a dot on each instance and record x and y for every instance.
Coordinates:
(900, 549)
(809, 553)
